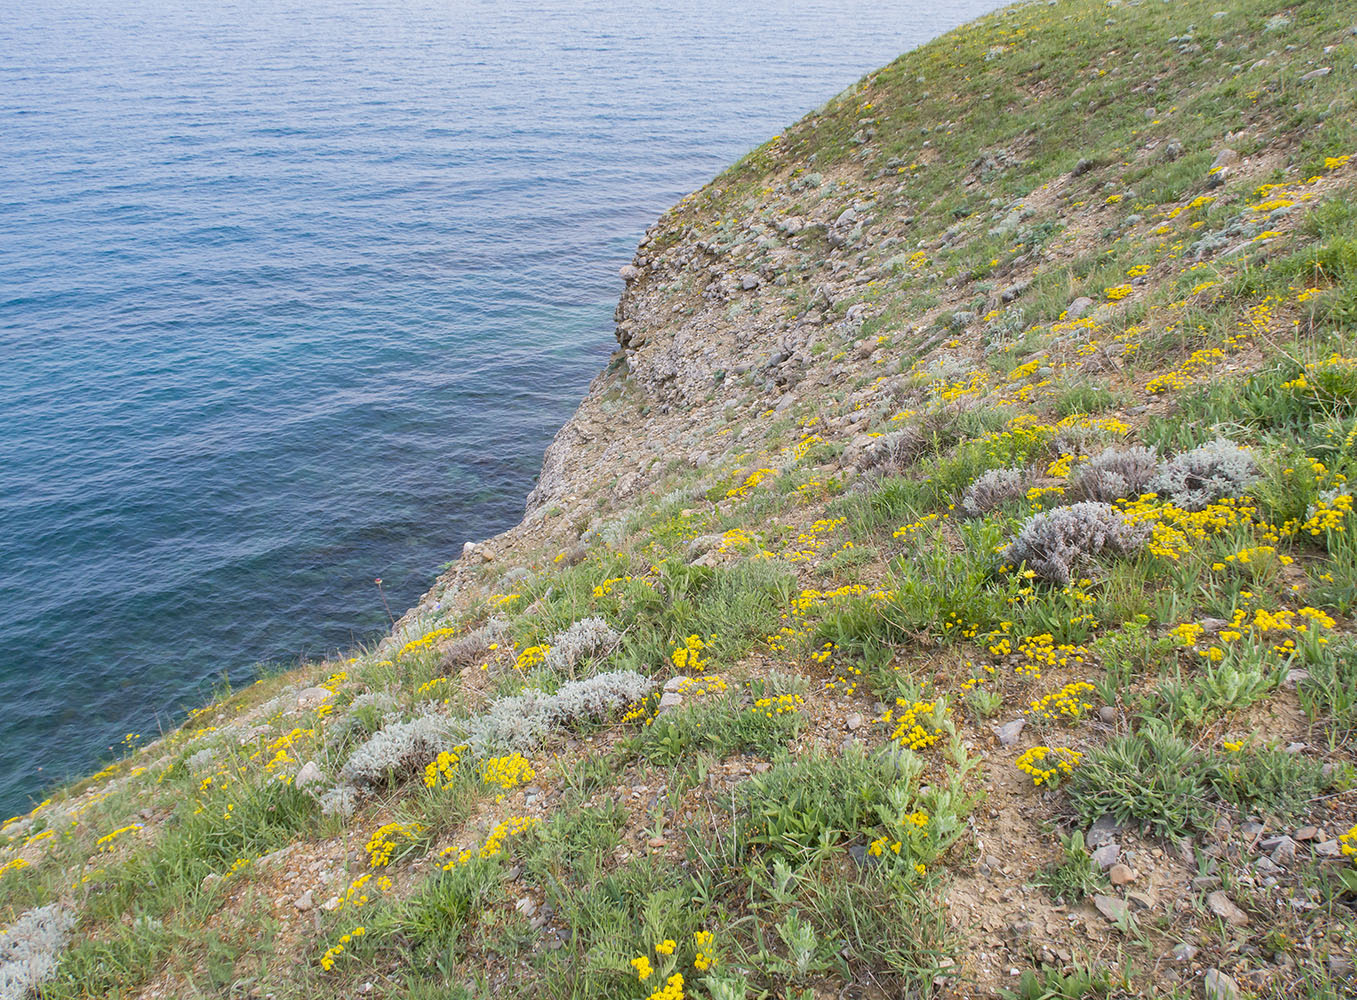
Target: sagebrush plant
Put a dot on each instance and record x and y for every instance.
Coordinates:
(1054, 543)
(1214, 471)
(992, 490)
(587, 637)
(30, 949)
(1115, 474)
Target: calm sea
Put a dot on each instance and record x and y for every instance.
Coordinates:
(292, 296)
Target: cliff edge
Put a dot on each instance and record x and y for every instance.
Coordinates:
(946, 590)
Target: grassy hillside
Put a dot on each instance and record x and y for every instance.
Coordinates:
(948, 590)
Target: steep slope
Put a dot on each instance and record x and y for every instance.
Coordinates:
(946, 589)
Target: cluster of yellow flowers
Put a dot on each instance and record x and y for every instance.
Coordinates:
(1173, 530)
(1254, 556)
(106, 842)
(531, 656)
(356, 895)
(279, 750)
(689, 655)
(918, 724)
(810, 542)
(703, 685)
(508, 771)
(672, 989)
(1329, 514)
(444, 765)
(804, 445)
(1117, 292)
(906, 530)
(1037, 651)
(382, 844)
(779, 705)
(1047, 765)
(605, 588)
(706, 957)
(1066, 705)
(643, 711)
(494, 842)
(1348, 843)
(753, 480)
(12, 865)
(425, 641)
(327, 961)
(430, 687)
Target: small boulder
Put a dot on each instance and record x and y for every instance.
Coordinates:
(304, 902)
(1219, 986)
(1121, 874)
(1223, 906)
(749, 282)
(1009, 732)
(1105, 857)
(309, 774)
(1113, 908)
(312, 697)
(629, 272)
(1079, 308)
(1316, 74)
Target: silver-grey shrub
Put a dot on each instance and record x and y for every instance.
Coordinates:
(992, 490)
(30, 949)
(1054, 543)
(587, 637)
(397, 750)
(1206, 474)
(522, 721)
(1115, 474)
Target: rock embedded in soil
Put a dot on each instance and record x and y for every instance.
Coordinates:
(1111, 907)
(1105, 830)
(1009, 732)
(1121, 874)
(1105, 857)
(1223, 906)
(1219, 986)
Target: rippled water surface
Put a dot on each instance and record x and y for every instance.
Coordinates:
(293, 296)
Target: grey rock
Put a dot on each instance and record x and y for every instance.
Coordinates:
(1105, 830)
(854, 721)
(1114, 909)
(304, 902)
(1223, 906)
(1141, 900)
(1079, 308)
(629, 272)
(1183, 952)
(749, 282)
(1316, 74)
(309, 774)
(1266, 866)
(1107, 714)
(670, 700)
(1083, 167)
(1295, 678)
(312, 697)
(1219, 986)
(1329, 849)
(1106, 856)
(1009, 732)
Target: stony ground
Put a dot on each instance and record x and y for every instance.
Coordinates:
(946, 590)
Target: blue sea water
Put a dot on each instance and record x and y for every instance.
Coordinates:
(293, 295)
